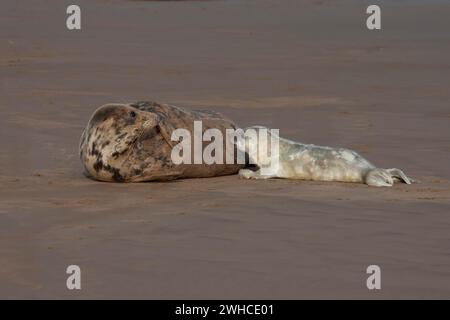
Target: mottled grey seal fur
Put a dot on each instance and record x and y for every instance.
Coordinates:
(132, 143)
(311, 162)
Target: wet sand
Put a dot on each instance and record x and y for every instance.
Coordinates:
(310, 68)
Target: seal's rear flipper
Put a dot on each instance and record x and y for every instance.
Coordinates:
(399, 175)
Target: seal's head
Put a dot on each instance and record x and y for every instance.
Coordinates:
(108, 140)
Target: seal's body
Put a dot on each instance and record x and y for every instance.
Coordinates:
(132, 143)
(318, 163)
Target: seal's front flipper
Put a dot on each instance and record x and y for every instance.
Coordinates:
(165, 129)
(166, 134)
(250, 174)
(159, 174)
(399, 175)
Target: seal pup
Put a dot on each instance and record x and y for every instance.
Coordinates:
(318, 163)
(132, 143)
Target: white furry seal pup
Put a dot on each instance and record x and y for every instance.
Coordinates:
(319, 163)
(132, 143)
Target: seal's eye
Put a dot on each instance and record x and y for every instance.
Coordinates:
(133, 114)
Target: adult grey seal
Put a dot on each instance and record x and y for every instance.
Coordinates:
(318, 163)
(132, 143)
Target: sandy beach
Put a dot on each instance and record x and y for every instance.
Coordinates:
(310, 68)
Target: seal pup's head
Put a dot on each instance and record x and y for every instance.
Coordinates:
(112, 133)
(250, 143)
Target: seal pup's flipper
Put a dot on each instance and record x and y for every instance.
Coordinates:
(385, 177)
(399, 175)
(250, 174)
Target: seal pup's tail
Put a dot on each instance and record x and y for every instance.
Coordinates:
(386, 177)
